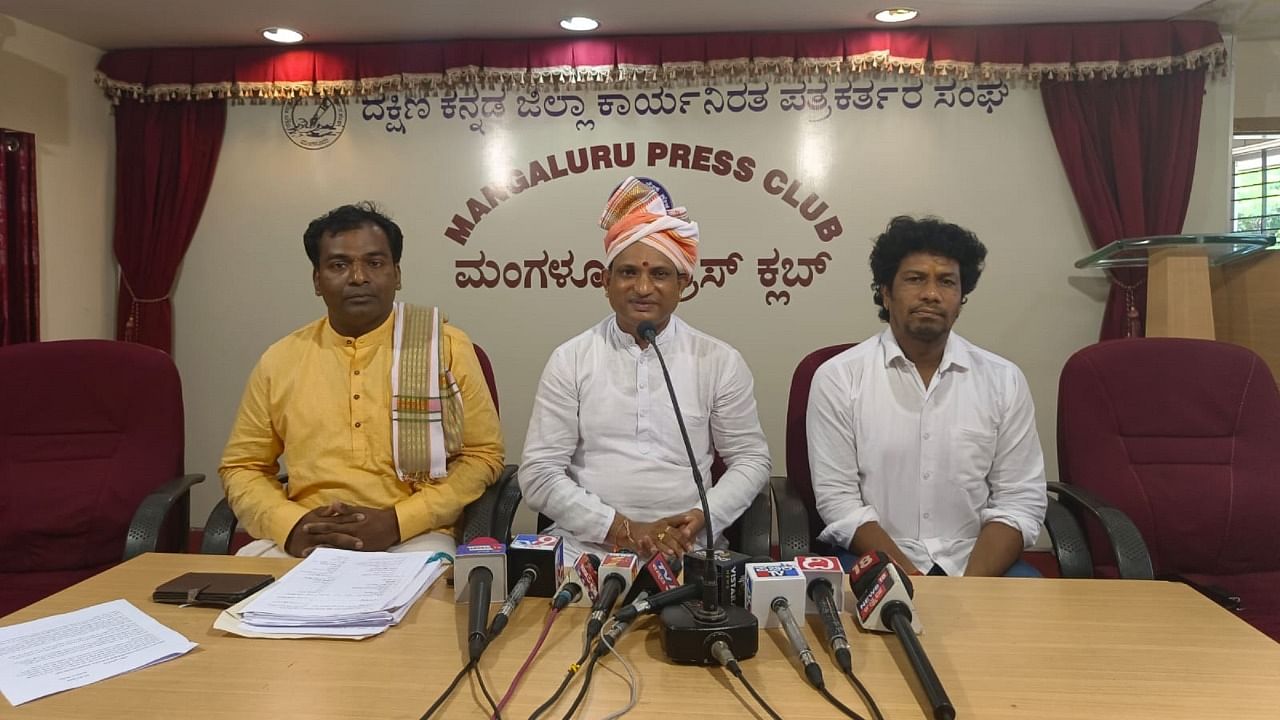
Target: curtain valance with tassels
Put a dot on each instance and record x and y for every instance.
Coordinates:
(1029, 52)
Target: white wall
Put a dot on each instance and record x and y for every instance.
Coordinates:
(46, 88)
(1257, 74)
(246, 281)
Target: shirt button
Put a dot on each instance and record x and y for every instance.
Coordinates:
(926, 436)
(357, 372)
(926, 516)
(356, 397)
(357, 424)
(926, 477)
(348, 342)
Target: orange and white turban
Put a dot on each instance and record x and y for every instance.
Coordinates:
(639, 210)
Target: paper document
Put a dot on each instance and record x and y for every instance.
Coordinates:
(61, 652)
(336, 593)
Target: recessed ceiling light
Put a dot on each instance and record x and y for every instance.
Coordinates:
(282, 35)
(896, 15)
(579, 24)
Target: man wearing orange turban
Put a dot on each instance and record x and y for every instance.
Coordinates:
(604, 457)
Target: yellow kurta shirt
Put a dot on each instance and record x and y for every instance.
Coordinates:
(323, 401)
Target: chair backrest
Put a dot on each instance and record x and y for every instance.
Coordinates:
(486, 367)
(1184, 437)
(799, 478)
(90, 427)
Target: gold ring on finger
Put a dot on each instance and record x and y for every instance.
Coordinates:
(662, 535)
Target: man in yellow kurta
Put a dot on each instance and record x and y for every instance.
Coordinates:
(380, 410)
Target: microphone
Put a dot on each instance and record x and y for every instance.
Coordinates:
(478, 563)
(617, 572)
(581, 581)
(782, 609)
(875, 579)
(820, 592)
(690, 630)
(824, 590)
(610, 639)
(883, 596)
(513, 599)
(654, 603)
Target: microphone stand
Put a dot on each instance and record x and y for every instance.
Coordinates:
(690, 629)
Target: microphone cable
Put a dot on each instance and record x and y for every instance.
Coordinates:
(633, 681)
(537, 647)
(568, 678)
(866, 694)
(723, 655)
(475, 670)
(453, 685)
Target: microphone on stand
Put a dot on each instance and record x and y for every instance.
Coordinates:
(690, 629)
(883, 597)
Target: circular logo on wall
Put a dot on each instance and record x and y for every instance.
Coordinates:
(314, 125)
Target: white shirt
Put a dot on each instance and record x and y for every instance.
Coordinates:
(603, 436)
(931, 465)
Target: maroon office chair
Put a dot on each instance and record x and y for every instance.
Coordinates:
(91, 455)
(798, 520)
(1183, 436)
(220, 536)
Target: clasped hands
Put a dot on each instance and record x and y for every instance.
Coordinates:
(672, 536)
(349, 527)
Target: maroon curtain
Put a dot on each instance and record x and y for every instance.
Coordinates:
(1129, 148)
(19, 240)
(166, 154)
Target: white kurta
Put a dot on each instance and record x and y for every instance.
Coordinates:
(603, 435)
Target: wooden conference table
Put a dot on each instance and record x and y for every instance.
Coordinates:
(1004, 648)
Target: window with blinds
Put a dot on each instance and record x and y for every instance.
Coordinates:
(1255, 186)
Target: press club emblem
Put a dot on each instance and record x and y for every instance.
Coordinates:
(314, 125)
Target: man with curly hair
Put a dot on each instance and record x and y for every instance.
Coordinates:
(921, 444)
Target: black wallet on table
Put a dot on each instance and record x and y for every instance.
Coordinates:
(210, 588)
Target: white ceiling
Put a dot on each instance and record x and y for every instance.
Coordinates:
(114, 24)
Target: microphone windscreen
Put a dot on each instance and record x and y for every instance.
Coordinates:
(647, 330)
(864, 572)
(657, 575)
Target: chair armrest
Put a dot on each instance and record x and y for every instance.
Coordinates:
(755, 526)
(478, 517)
(144, 529)
(1070, 546)
(1132, 558)
(507, 502)
(219, 529)
(793, 520)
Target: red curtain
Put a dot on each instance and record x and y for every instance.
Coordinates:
(19, 240)
(166, 154)
(1072, 51)
(1129, 148)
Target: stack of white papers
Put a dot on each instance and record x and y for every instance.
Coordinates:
(337, 593)
(61, 652)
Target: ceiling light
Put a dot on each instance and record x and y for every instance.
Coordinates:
(282, 35)
(579, 24)
(896, 15)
